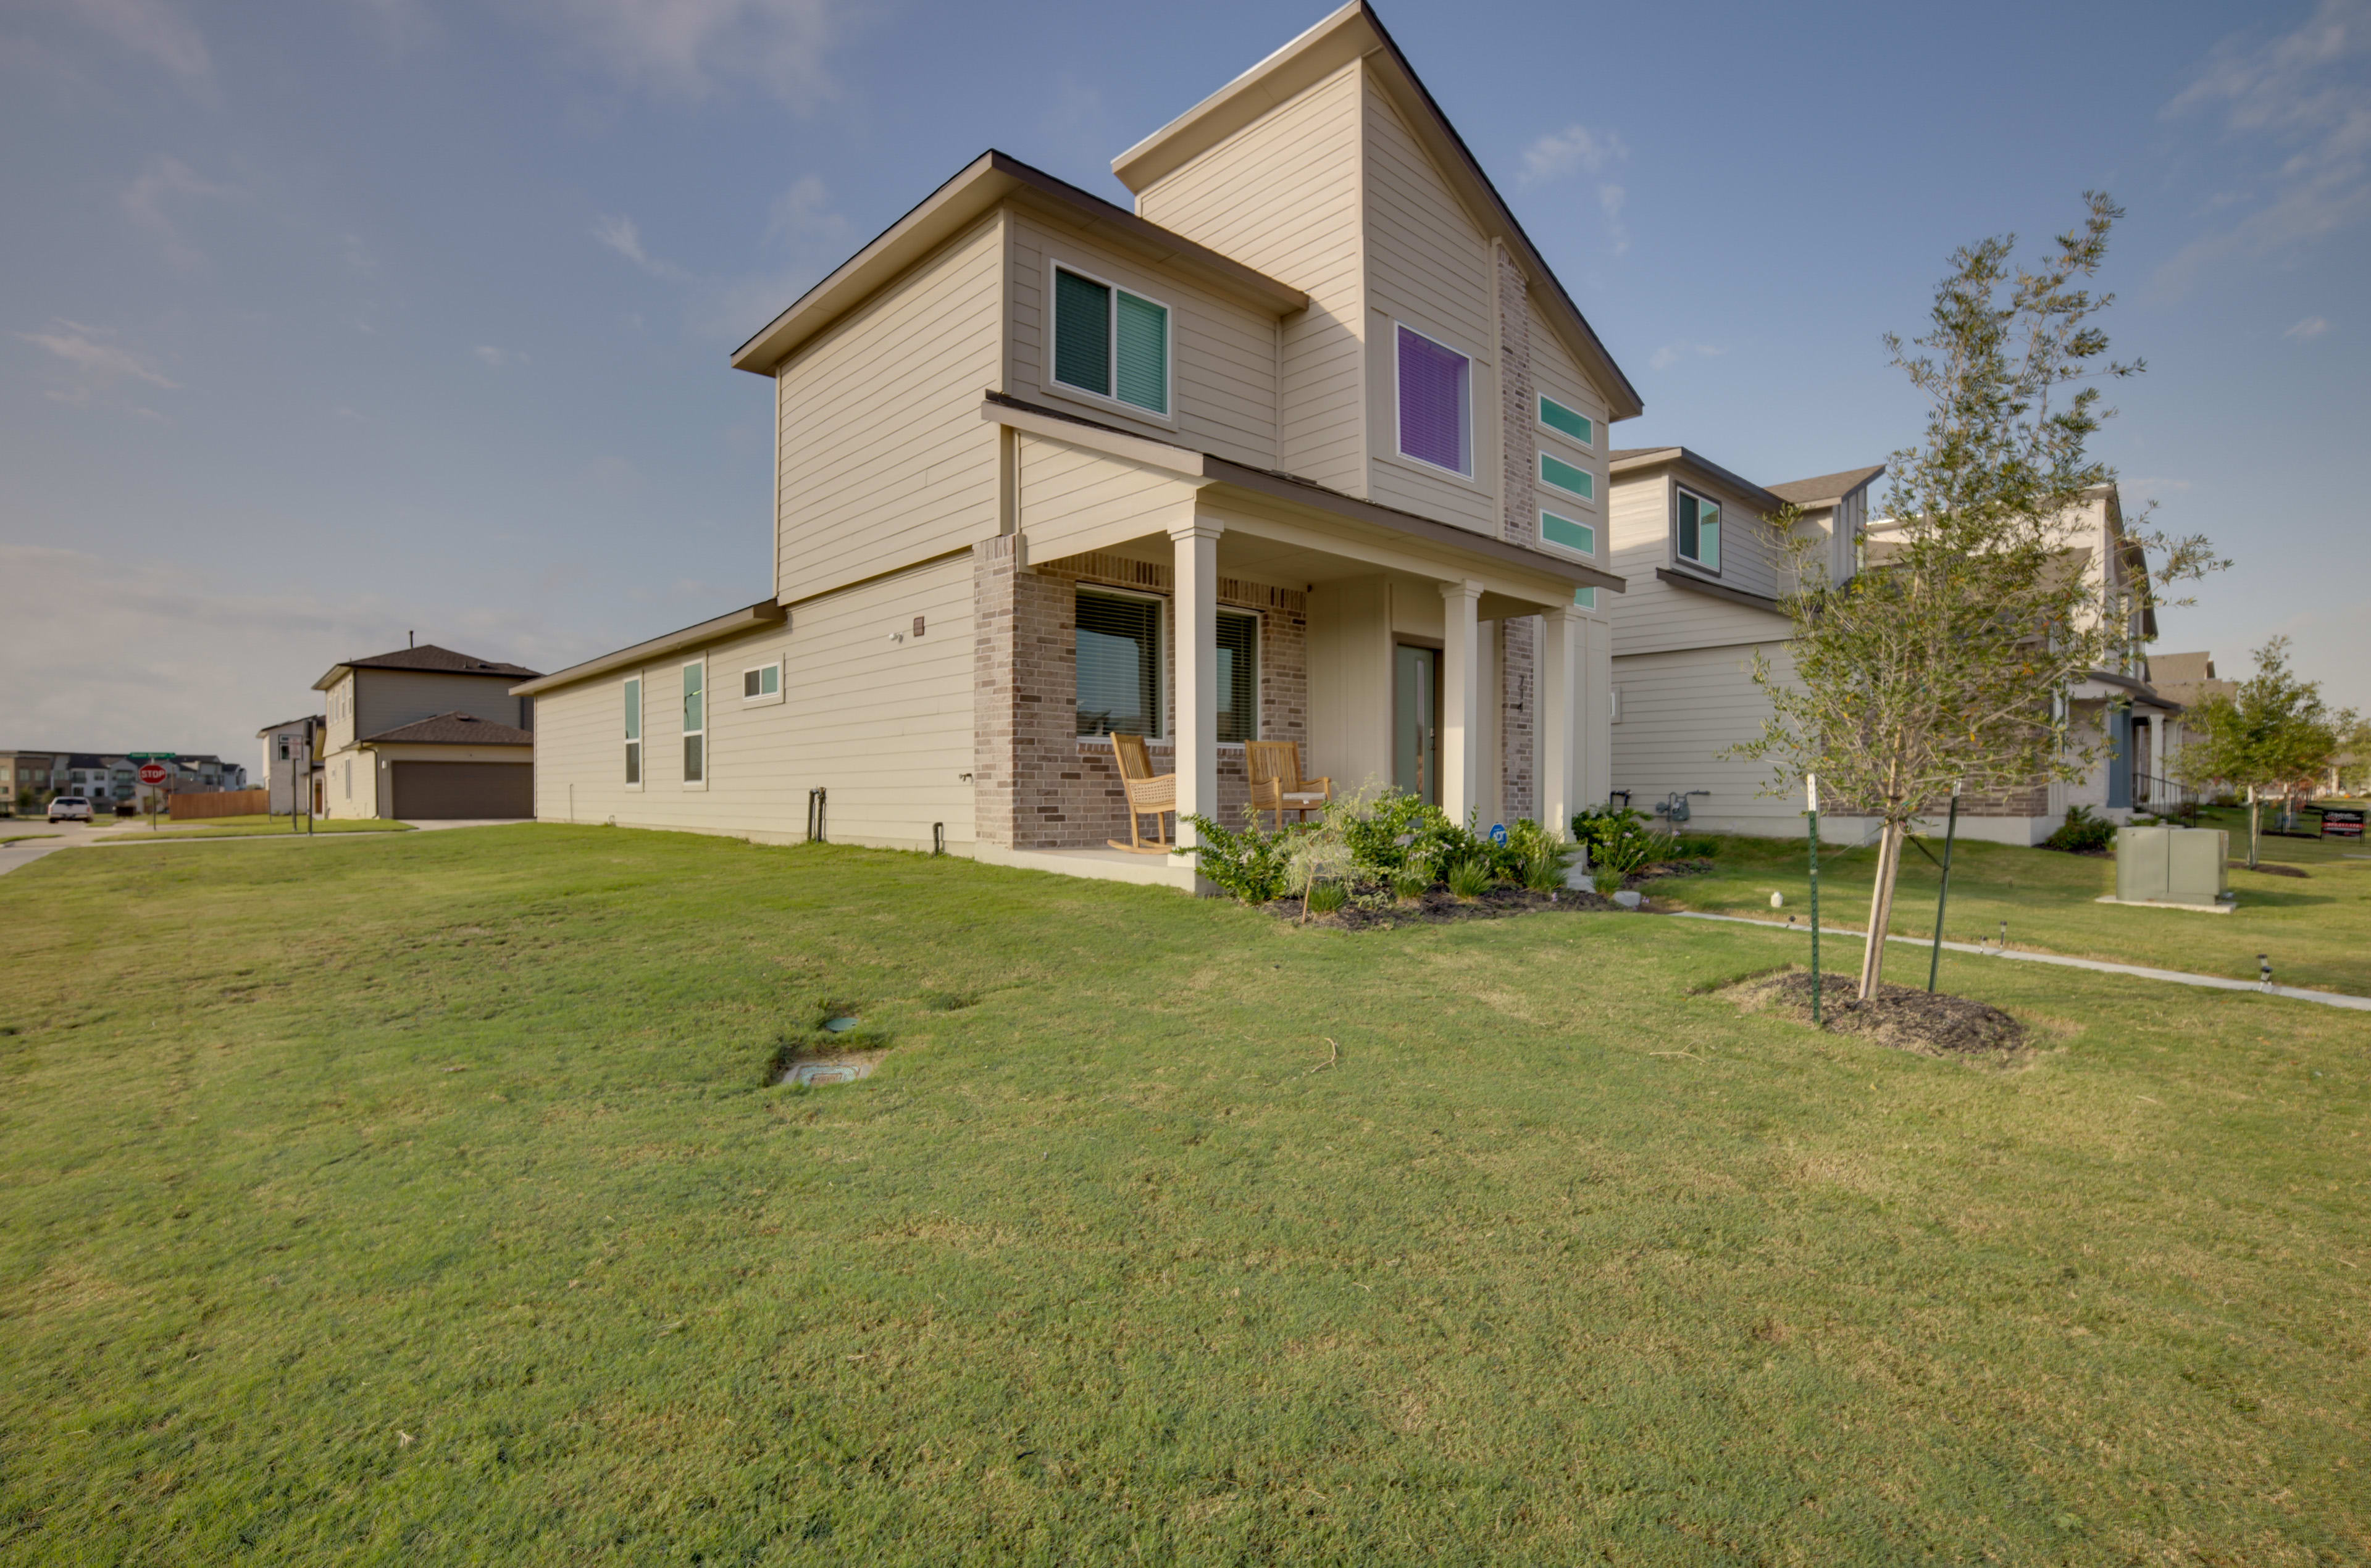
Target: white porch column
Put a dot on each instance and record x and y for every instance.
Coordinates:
(1196, 638)
(1461, 698)
(1561, 633)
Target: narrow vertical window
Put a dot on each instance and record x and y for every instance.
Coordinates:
(1699, 531)
(1435, 396)
(1238, 676)
(1119, 664)
(1140, 354)
(695, 722)
(633, 729)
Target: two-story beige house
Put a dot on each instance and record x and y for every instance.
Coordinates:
(1310, 445)
(424, 733)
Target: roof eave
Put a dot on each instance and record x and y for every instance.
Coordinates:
(765, 611)
(1687, 458)
(1355, 32)
(970, 194)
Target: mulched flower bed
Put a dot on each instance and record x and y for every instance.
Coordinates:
(1441, 907)
(1900, 1016)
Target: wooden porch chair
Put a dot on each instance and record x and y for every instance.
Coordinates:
(1148, 794)
(1274, 767)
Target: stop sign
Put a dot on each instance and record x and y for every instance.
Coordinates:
(152, 773)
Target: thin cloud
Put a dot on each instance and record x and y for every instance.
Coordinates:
(2302, 103)
(701, 49)
(498, 359)
(620, 235)
(1670, 354)
(1578, 150)
(155, 29)
(97, 371)
(2306, 331)
(148, 200)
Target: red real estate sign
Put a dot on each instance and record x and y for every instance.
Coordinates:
(152, 773)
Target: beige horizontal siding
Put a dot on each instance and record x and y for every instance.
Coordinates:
(883, 459)
(1282, 195)
(1680, 711)
(1073, 500)
(885, 726)
(1224, 366)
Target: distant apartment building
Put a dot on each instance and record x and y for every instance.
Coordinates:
(29, 778)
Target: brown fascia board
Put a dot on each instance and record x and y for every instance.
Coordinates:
(1355, 32)
(998, 408)
(991, 178)
(1712, 590)
(766, 612)
(1656, 456)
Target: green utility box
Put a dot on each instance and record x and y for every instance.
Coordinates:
(2172, 865)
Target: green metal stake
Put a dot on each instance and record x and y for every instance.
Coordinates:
(1811, 793)
(1943, 899)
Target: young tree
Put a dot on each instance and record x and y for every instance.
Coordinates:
(1952, 659)
(2276, 734)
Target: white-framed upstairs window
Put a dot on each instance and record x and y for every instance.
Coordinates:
(761, 684)
(1118, 664)
(1568, 535)
(1435, 399)
(1568, 422)
(1109, 343)
(632, 698)
(1567, 478)
(1698, 534)
(694, 724)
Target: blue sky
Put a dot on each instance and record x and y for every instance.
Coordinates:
(324, 322)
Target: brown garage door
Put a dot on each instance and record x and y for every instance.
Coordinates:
(443, 791)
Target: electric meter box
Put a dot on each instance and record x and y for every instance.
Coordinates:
(2172, 865)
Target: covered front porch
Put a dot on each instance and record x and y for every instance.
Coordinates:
(1394, 651)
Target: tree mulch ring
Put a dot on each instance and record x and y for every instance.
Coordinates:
(1903, 1017)
(1439, 907)
(2270, 868)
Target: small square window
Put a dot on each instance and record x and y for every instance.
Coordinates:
(764, 682)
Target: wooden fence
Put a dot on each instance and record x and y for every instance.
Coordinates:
(221, 803)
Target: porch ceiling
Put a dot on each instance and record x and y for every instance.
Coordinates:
(1245, 552)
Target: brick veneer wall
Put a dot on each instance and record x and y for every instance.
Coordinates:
(1519, 639)
(1037, 783)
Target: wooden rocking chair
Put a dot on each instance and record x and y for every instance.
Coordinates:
(1148, 794)
(1274, 767)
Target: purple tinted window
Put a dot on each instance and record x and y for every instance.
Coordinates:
(1433, 397)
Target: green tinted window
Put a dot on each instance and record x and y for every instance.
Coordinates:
(1143, 353)
(1082, 333)
(1585, 598)
(1565, 477)
(1699, 531)
(1572, 536)
(1572, 422)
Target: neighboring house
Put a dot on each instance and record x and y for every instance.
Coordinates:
(2187, 680)
(1706, 576)
(2114, 709)
(292, 750)
(27, 777)
(1311, 445)
(424, 732)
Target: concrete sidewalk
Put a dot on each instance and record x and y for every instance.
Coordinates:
(75, 837)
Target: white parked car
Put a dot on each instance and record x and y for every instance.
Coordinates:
(70, 808)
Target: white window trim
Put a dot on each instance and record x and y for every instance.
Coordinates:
(1690, 561)
(1540, 475)
(1595, 422)
(1111, 401)
(707, 725)
(1596, 534)
(1160, 635)
(642, 703)
(764, 699)
(1399, 454)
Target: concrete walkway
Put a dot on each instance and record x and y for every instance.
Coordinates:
(2212, 982)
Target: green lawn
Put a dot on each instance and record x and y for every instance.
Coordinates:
(424, 1203)
(2316, 929)
(250, 827)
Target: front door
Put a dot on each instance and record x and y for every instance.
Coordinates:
(1415, 690)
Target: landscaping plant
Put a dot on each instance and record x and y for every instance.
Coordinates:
(1470, 877)
(2081, 832)
(1955, 658)
(2276, 735)
(1252, 862)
